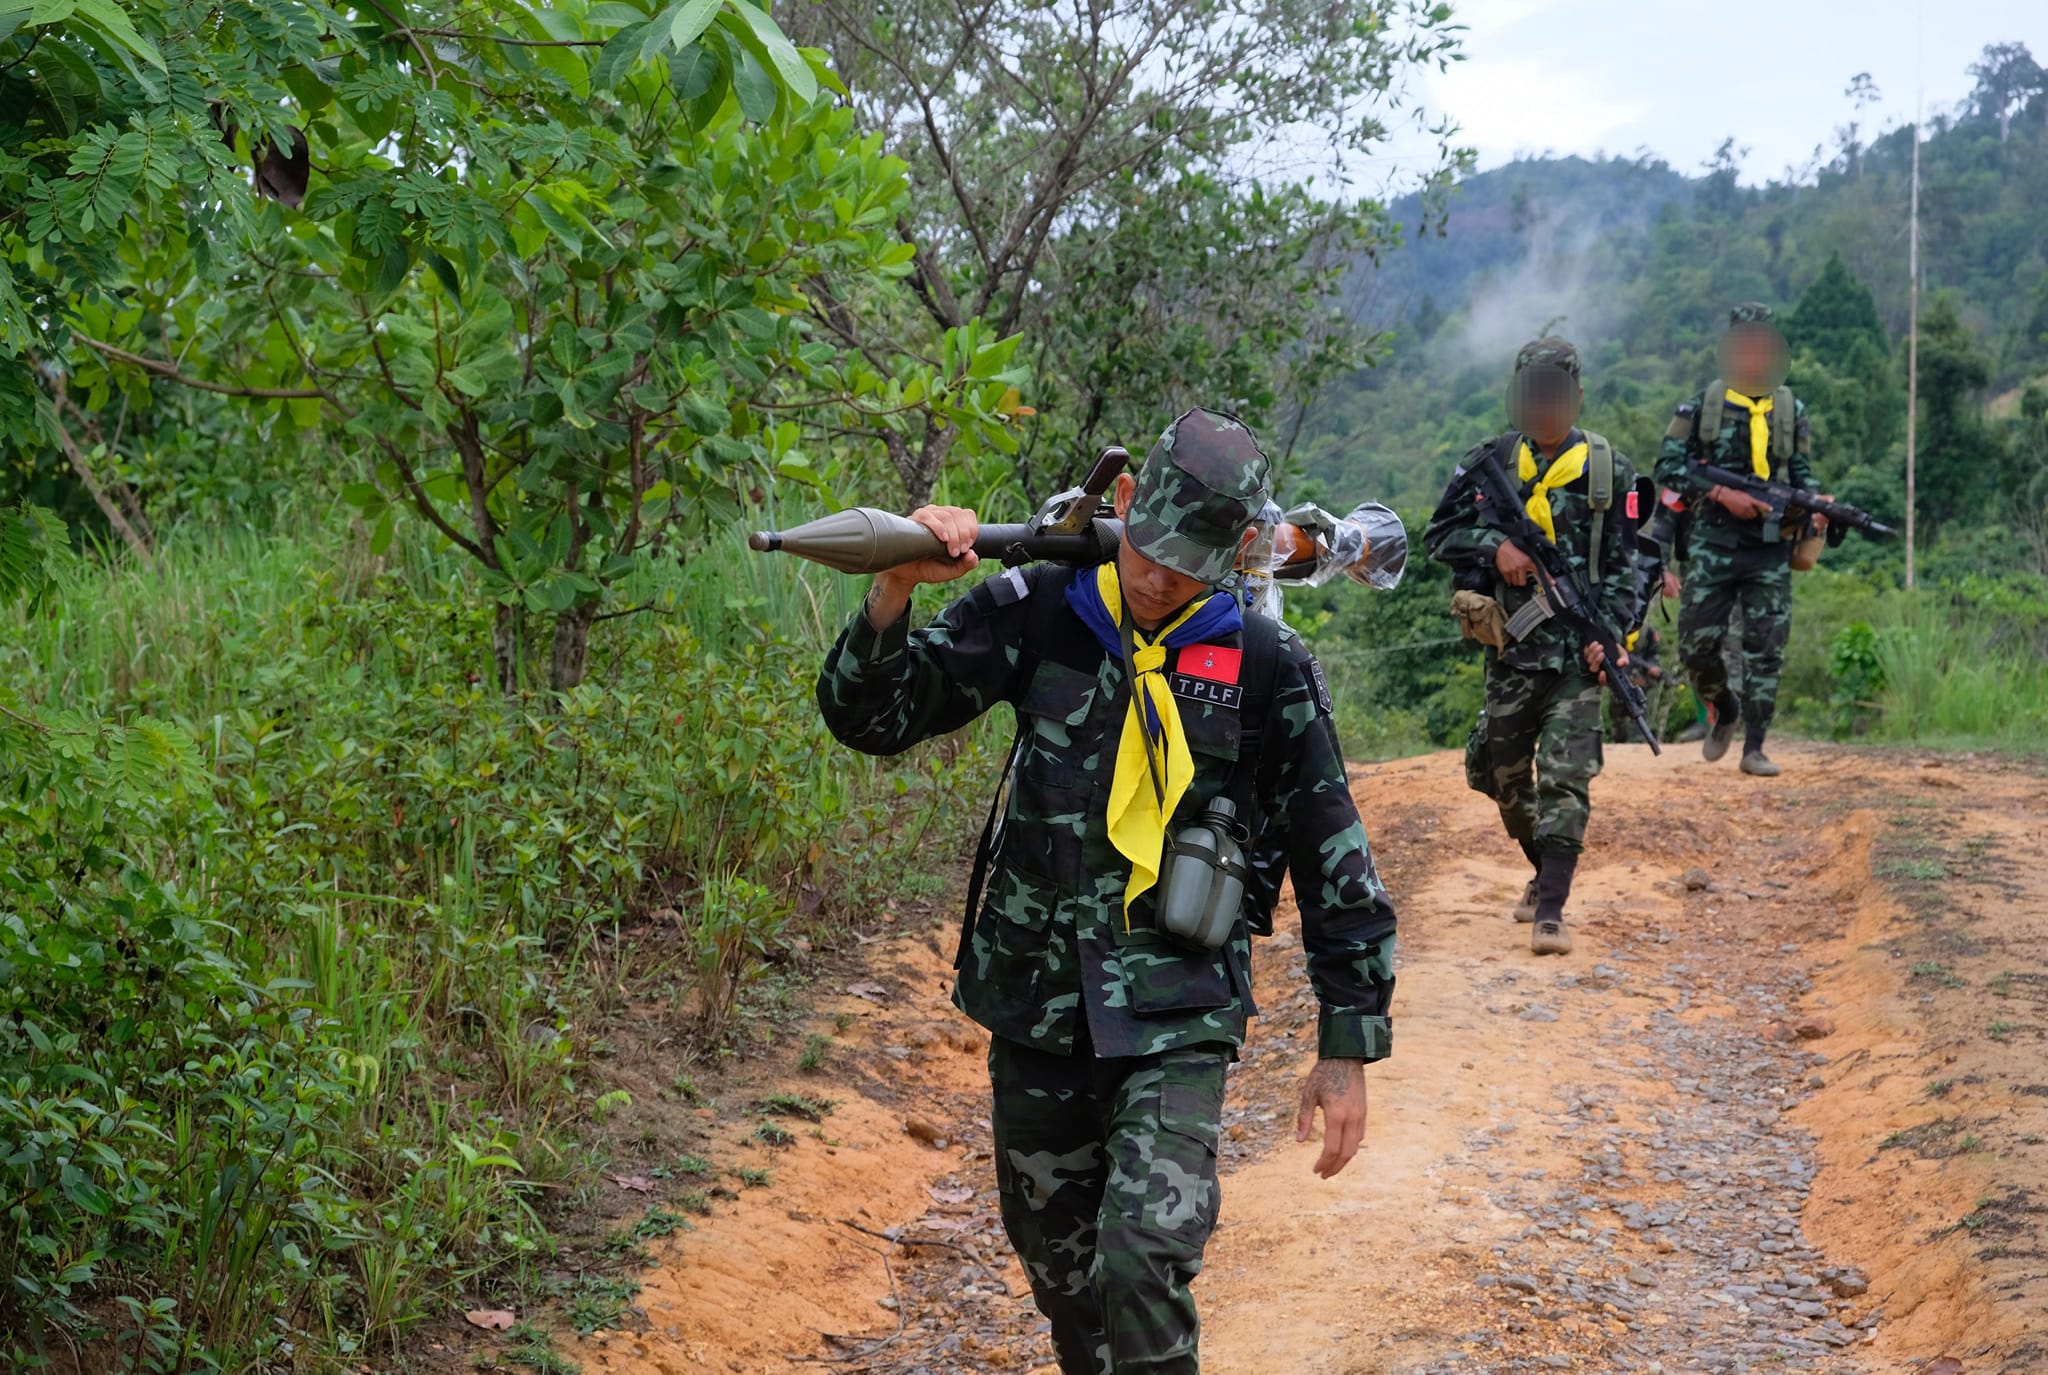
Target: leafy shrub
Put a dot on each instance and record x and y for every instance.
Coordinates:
(1859, 678)
(297, 919)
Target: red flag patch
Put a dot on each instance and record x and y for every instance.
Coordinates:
(1215, 663)
(1634, 511)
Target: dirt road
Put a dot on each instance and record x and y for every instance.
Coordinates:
(1783, 1109)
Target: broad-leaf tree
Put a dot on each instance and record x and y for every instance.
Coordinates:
(546, 269)
(1126, 183)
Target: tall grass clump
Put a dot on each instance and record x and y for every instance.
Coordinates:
(1961, 664)
(308, 936)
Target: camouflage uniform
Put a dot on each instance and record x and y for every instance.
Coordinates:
(1736, 566)
(1110, 1040)
(1645, 644)
(1537, 747)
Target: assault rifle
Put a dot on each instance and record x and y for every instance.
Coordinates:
(1792, 505)
(1561, 589)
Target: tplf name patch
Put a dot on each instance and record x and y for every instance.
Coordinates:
(1203, 690)
(1209, 673)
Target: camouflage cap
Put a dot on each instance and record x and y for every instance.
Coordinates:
(1549, 351)
(1201, 488)
(1750, 313)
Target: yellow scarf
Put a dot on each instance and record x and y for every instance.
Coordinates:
(1759, 409)
(1564, 470)
(1151, 775)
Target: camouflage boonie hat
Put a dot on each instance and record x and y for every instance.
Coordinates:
(1549, 351)
(1200, 489)
(1750, 313)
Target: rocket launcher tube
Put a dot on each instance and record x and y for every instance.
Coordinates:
(1309, 547)
(863, 540)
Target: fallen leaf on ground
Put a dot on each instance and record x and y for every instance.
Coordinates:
(963, 1194)
(874, 993)
(638, 1183)
(489, 1319)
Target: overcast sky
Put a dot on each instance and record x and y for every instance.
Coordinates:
(1584, 76)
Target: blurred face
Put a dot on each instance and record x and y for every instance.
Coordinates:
(1753, 358)
(1153, 592)
(1543, 403)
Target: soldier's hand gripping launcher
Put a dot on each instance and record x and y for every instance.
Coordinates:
(1067, 529)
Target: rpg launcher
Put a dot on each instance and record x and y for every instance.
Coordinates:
(1067, 529)
(1561, 589)
(1304, 545)
(1790, 506)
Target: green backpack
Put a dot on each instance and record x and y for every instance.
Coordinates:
(1781, 435)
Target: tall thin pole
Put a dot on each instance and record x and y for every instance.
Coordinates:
(1912, 342)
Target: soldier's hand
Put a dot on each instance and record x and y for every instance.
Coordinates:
(1820, 522)
(956, 528)
(1671, 584)
(1338, 1088)
(1516, 567)
(1596, 659)
(1740, 505)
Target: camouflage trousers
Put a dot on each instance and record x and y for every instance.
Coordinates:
(1107, 1173)
(1536, 751)
(1719, 584)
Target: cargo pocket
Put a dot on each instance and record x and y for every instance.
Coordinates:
(1050, 800)
(1184, 1197)
(1163, 979)
(1478, 776)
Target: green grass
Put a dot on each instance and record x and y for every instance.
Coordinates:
(594, 1303)
(405, 893)
(659, 1222)
(1963, 665)
(806, 1106)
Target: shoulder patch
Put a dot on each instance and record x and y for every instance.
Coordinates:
(1315, 675)
(1009, 587)
(1635, 507)
(1687, 408)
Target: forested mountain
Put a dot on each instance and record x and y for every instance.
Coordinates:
(1639, 263)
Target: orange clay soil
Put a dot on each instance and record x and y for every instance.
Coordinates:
(1627, 1159)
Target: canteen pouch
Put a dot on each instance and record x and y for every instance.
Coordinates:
(1806, 546)
(1202, 881)
(1480, 618)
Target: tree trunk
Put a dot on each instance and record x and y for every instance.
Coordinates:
(927, 462)
(112, 512)
(570, 654)
(506, 648)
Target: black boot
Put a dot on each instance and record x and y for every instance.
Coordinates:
(1553, 886)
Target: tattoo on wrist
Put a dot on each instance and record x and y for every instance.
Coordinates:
(1332, 1077)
